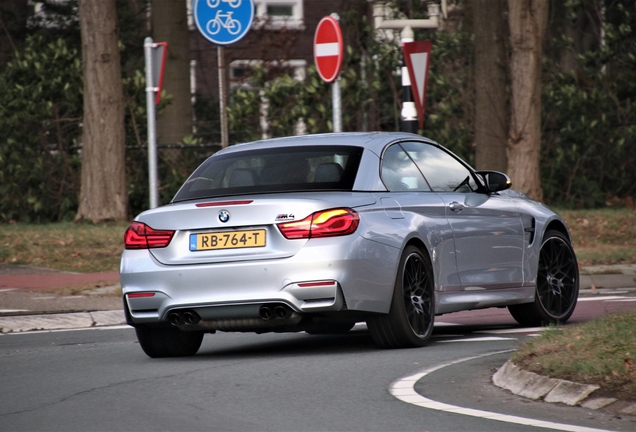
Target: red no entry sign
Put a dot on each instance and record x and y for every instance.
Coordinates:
(328, 48)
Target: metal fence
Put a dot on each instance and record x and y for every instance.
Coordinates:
(175, 162)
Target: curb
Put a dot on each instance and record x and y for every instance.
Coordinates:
(61, 321)
(538, 387)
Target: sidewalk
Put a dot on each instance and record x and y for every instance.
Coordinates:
(33, 298)
(607, 276)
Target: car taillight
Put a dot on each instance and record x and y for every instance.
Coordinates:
(141, 236)
(140, 295)
(328, 223)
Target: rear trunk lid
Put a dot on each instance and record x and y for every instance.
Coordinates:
(239, 228)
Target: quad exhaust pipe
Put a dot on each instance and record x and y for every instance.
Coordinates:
(269, 316)
(268, 312)
(184, 318)
(191, 317)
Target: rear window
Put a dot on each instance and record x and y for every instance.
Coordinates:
(286, 169)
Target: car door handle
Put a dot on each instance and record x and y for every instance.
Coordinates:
(456, 207)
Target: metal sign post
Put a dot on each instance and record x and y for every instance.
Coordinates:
(336, 98)
(155, 60)
(220, 51)
(223, 22)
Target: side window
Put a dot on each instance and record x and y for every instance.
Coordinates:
(442, 171)
(399, 173)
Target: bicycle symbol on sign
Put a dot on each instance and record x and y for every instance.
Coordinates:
(223, 20)
(215, 3)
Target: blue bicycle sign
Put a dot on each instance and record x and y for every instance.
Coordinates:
(223, 22)
(215, 3)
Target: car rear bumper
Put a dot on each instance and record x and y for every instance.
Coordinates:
(329, 274)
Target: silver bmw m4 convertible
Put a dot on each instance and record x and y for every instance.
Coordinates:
(316, 233)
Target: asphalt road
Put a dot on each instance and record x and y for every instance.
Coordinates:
(100, 380)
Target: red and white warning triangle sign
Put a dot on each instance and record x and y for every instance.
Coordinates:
(417, 56)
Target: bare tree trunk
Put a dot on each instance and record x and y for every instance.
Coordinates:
(491, 119)
(103, 192)
(528, 19)
(581, 24)
(170, 24)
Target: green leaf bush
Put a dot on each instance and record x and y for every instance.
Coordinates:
(40, 125)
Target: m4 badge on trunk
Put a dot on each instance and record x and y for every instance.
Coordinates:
(285, 217)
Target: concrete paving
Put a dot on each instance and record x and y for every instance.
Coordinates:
(552, 390)
(61, 321)
(608, 276)
(34, 298)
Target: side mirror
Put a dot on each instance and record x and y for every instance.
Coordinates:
(495, 180)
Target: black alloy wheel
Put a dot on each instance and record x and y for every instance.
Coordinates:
(412, 314)
(557, 284)
(417, 296)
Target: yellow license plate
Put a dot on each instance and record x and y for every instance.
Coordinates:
(227, 240)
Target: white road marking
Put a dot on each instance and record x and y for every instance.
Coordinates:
(404, 390)
(479, 339)
(444, 324)
(602, 298)
(514, 330)
(13, 310)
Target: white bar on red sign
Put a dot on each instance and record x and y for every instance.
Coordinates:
(327, 49)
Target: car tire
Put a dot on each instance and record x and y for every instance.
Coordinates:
(557, 284)
(168, 342)
(409, 323)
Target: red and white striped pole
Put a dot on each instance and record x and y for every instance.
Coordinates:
(409, 111)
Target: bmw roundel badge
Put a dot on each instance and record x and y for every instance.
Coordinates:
(224, 216)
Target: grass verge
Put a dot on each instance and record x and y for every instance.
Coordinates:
(65, 246)
(602, 236)
(601, 352)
